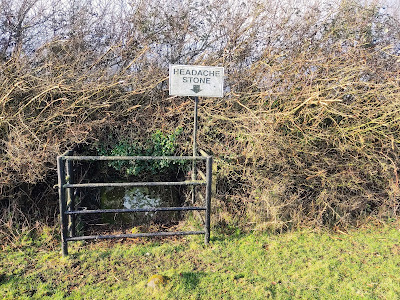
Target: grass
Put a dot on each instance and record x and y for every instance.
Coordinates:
(359, 264)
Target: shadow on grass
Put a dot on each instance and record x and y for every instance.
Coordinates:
(226, 237)
(190, 280)
(3, 278)
(15, 278)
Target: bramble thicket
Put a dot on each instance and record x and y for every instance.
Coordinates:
(308, 131)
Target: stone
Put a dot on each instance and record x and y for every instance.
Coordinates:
(156, 281)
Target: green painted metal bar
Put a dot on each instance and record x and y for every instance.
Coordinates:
(202, 175)
(208, 198)
(122, 210)
(136, 235)
(70, 197)
(204, 154)
(62, 200)
(111, 158)
(130, 184)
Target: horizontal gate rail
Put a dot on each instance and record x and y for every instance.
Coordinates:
(68, 212)
(135, 235)
(129, 184)
(91, 158)
(150, 209)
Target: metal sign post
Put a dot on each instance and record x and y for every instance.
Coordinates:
(194, 171)
(197, 81)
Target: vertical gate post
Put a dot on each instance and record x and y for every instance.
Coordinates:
(70, 197)
(61, 193)
(208, 198)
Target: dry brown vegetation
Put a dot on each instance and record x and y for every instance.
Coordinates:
(307, 133)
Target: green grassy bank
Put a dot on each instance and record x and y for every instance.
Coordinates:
(358, 264)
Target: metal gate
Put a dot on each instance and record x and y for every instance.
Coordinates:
(68, 211)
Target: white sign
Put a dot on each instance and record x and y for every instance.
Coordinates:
(201, 81)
